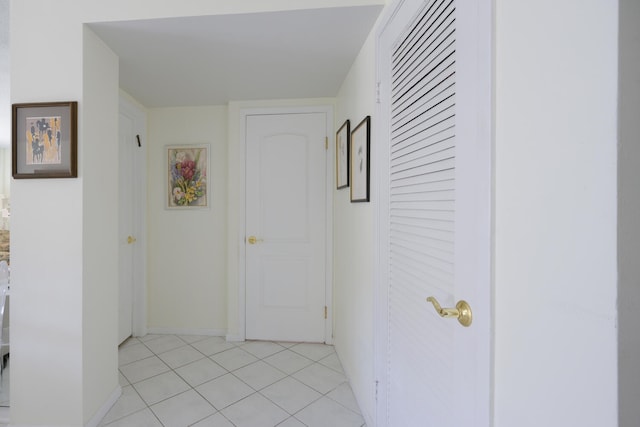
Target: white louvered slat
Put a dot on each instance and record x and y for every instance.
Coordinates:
(435, 157)
(431, 94)
(434, 178)
(422, 194)
(432, 18)
(437, 131)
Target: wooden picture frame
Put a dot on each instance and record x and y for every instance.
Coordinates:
(343, 142)
(44, 141)
(360, 161)
(187, 176)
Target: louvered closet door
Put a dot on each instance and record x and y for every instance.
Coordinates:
(431, 362)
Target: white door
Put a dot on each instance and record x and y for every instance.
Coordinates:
(286, 226)
(435, 204)
(125, 227)
(131, 267)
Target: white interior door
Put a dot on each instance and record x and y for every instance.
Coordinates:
(435, 182)
(125, 227)
(131, 171)
(286, 226)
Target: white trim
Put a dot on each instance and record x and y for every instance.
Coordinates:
(234, 338)
(108, 404)
(139, 326)
(475, 89)
(380, 187)
(242, 227)
(5, 414)
(242, 144)
(188, 331)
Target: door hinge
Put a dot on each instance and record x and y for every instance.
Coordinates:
(377, 390)
(325, 311)
(326, 142)
(378, 92)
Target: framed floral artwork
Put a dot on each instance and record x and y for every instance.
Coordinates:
(187, 169)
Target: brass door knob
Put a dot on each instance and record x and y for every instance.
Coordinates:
(252, 240)
(131, 240)
(462, 312)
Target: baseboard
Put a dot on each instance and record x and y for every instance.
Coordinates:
(188, 331)
(97, 418)
(4, 415)
(234, 338)
(93, 422)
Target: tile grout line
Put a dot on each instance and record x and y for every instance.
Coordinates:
(190, 345)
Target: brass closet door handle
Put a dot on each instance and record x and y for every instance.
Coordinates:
(131, 240)
(462, 312)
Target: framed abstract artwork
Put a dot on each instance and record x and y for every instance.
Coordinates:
(343, 137)
(360, 162)
(187, 169)
(44, 141)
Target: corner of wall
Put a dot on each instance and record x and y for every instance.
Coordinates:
(628, 213)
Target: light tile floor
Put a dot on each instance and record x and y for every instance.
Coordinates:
(175, 381)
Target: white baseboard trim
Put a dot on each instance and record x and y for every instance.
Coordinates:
(188, 331)
(234, 338)
(93, 422)
(97, 418)
(5, 415)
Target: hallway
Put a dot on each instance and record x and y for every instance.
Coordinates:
(173, 381)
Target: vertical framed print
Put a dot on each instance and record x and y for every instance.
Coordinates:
(359, 160)
(187, 169)
(44, 140)
(343, 137)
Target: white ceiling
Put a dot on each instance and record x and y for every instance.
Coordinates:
(211, 60)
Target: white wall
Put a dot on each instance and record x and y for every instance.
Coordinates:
(629, 213)
(555, 219)
(5, 171)
(354, 247)
(52, 294)
(100, 224)
(64, 359)
(47, 234)
(555, 213)
(187, 249)
(555, 285)
(5, 105)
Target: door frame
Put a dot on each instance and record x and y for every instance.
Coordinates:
(476, 18)
(139, 315)
(242, 174)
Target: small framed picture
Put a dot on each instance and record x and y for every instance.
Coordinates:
(44, 140)
(359, 159)
(187, 176)
(343, 137)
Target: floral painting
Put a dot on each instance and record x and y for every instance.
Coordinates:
(187, 171)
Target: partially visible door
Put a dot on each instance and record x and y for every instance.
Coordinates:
(435, 202)
(125, 227)
(286, 226)
(131, 171)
